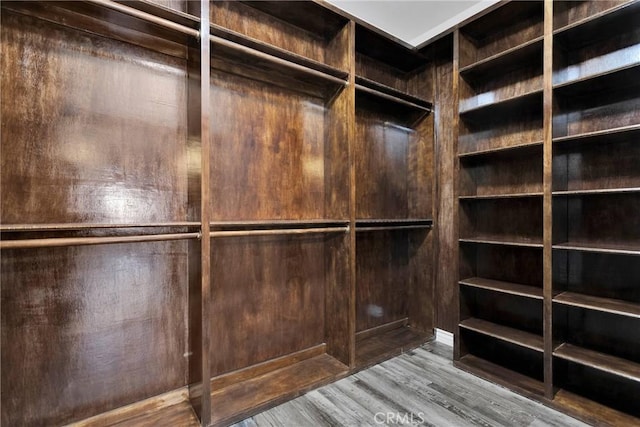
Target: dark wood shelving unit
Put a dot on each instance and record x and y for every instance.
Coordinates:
(393, 198)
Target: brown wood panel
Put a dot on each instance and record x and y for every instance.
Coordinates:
(381, 166)
(517, 128)
(383, 274)
(380, 72)
(271, 164)
(445, 146)
(88, 329)
(379, 347)
(93, 130)
(267, 299)
(252, 22)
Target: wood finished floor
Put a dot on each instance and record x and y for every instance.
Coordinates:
(424, 383)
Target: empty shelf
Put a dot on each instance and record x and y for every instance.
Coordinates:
(596, 360)
(504, 333)
(503, 287)
(608, 305)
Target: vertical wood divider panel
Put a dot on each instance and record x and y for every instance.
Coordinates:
(458, 351)
(547, 197)
(351, 131)
(205, 241)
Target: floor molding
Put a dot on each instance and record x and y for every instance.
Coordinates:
(444, 337)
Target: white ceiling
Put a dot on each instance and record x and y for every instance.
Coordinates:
(413, 21)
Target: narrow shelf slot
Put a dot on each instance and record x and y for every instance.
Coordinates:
(503, 287)
(607, 305)
(491, 241)
(504, 333)
(600, 361)
(622, 249)
(277, 224)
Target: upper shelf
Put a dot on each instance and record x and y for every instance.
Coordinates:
(621, 134)
(597, 247)
(530, 101)
(605, 82)
(599, 26)
(533, 148)
(509, 288)
(391, 94)
(387, 51)
(504, 61)
(142, 23)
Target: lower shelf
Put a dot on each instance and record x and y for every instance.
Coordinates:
(518, 382)
(590, 411)
(372, 349)
(245, 398)
(600, 361)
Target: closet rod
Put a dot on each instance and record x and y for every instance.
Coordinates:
(394, 227)
(83, 241)
(85, 226)
(146, 17)
(239, 233)
(274, 59)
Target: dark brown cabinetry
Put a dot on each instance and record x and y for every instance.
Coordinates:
(201, 217)
(548, 195)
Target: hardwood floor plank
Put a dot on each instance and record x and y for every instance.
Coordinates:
(421, 381)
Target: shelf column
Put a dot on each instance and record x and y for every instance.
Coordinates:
(547, 198)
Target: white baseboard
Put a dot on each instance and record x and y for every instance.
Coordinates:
(444, 337)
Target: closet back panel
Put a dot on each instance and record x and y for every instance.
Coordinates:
(91, 328)
(267, 299)
(93, 130)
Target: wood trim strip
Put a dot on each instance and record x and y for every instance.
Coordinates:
(367, 333)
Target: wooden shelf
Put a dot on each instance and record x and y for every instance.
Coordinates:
(277, 52)
(375, 348)
(607, 248)
(607, 305)
(506, 59)
(530, 101)
(490, 241)
(142, 23)
(523, 384)
(600, 361)
(387, 91)
(501, 196)
(277, 224)
(604, 82)
(364, 225)
(596, 191)
(590, 411)
(621, 134)
(397, 98)
(508, 150)
(599, 26)
(504, 333)
(503, 287)
(242, 399)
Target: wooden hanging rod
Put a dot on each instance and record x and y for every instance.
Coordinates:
(147, 17)
(274, 59)
(86, 226)
(295, 231)
(84, 241)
